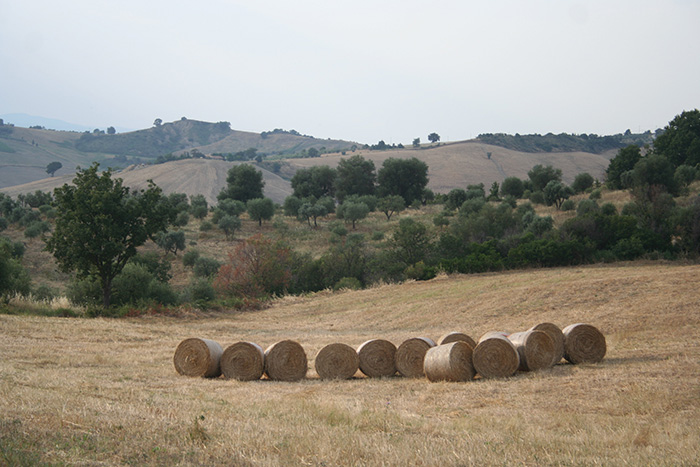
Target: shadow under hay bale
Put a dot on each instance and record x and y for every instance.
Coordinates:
(557, 337)
(410, 354)
(456, 336)
(377, 358)
(198, 357)
(449, 362)
(286, 361)
(535, 349)
(583, 343)
(336, 361)
(495, 356)
(244, 361)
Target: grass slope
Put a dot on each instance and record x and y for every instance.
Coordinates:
(453, 165)
(190, 176)
(88, 391)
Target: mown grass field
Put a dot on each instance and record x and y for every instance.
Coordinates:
(104, 391)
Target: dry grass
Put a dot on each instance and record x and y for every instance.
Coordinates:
(80, 391)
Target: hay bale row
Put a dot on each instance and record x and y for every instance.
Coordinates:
(456, 356)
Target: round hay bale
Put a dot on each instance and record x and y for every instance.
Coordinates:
(410, 354)
(583, 343)
(454, 337)
(495, 356)
(557, 337)
(377, 358)
(449, 362)
(535, 349)
(244, 361)
(285, 361)
(336, 361)
(198, 357)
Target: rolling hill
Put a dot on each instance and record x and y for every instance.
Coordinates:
(453, 165)
(25, 152)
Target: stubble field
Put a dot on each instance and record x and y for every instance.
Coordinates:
(105, 392)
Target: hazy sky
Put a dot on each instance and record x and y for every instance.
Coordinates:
(357, 70)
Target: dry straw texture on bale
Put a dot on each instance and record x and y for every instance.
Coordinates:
(495, 356)
(198, 357)
(535, 349)
(244, 361)
(336, 361)
(456, 336)
(410, 354)
(285, 361)
(377, 358)
(557, 337)
(583, 343)
(449, 362)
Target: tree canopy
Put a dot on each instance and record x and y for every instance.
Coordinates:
(243, 183)
(680, 141)
(403, 177)
(100, 223)
(356, 176)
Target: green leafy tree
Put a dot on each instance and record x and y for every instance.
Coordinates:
(317, 181)
(541, 175)
(199, 206)
(403, 177)
(390, 205)
(229, 224)
(512, 186)
(309, 211)
(243, 183)
(111, 130)
(100, 223)
(582, 182)
(555, 192)
(260, 209)
(53, 167)
(433, 137)
(416, 143)
(622, 164)
(353, 212)
(652, 173)
(356, 176)
(14, 278)
(493, 192)
(680, 140)
(411, 241)
(171, 241)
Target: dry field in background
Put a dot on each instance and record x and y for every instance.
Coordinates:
(105, 392)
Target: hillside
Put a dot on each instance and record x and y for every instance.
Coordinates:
(453, 165)
(104, 391)
(25, 152)
(189, 176)
(456, 165)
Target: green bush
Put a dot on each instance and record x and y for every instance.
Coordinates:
(190, 257)
(568, 205)
(351, 283)
(206, 267)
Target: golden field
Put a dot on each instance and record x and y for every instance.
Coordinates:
(79, 391)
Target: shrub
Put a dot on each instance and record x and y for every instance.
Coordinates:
(199, 290)
(596, 194)
(206, 226)
(351, 283)
(190, 257)
(568, 205)
(206, 267)
(585, 206)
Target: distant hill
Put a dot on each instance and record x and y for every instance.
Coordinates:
(565, 142)
(190, 176)
(25, 152)
(452, 165)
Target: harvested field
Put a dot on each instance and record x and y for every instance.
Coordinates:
(104, 391)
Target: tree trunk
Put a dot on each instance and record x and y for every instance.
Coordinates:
(106, 293)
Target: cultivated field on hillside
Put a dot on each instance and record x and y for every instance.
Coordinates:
(103, 391)
(453, 165)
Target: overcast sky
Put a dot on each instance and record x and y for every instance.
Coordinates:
(358, 70)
